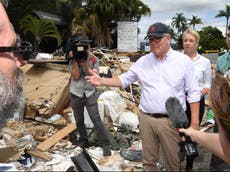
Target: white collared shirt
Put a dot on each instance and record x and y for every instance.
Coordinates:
(160, 79)
(203, 71)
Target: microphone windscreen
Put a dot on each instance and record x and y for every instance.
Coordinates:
(176, 113)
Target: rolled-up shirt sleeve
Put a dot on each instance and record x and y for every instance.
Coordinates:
(128, 77)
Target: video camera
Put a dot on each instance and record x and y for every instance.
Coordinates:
(23, 49)
(79, 46)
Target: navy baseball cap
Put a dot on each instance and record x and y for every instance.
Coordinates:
(157, 30)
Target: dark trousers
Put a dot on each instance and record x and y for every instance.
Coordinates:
(201, 113)
(78, 104)
(189, 162)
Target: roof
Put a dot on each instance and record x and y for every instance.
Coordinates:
(55, 18)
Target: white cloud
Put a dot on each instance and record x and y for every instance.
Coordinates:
(164, 10)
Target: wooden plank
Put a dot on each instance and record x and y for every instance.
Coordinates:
(39, 154)
(56, 137)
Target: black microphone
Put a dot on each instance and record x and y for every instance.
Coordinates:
(179, 119)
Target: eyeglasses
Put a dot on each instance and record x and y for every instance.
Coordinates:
(156, 39)
(24, 50)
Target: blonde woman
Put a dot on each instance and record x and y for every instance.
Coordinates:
(201, 64)
(203, 74)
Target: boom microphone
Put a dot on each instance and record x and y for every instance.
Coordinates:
(176, 113)
(179, 119)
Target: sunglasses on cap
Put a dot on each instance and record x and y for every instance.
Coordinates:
(23, 49)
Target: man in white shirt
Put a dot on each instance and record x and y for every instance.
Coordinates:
(162, 73)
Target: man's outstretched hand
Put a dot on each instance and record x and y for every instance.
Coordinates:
(94, 78)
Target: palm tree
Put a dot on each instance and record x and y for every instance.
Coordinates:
(94, 19)
(194, 20)
(179, 22)
(90, 23)
(172, 33)
(226, 14)
(40, 29)
(102, 11)
(66, 7)
(130, 9)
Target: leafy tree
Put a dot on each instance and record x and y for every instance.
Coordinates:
(101, 14)
(40, 29)
(90, 24)
(99, 17)
(211, 39)
(65, 8)
(15, 11)
(194, 20)
(226, 14)
(130, 9)
(18, 9)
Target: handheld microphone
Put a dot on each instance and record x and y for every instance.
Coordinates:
(179, 119)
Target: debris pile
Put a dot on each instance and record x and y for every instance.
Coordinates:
(40, 140)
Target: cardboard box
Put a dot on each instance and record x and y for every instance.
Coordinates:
(47, 84)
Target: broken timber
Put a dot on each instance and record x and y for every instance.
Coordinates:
(44, 146)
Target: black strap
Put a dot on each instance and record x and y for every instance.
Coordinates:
(25, 47)
(9, 49)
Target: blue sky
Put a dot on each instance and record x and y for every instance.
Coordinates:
(164, 10)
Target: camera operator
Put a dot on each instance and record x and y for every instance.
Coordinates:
(82, 93)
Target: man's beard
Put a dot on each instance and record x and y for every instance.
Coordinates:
(10, 94)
